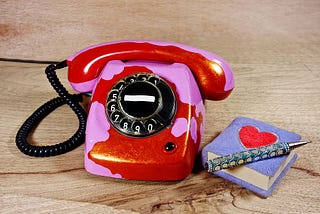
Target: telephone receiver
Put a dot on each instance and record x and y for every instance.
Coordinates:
(146, 115)
(213, 75)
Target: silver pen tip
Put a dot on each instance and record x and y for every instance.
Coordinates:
(293, 145)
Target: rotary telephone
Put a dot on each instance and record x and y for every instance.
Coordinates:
(146, 115)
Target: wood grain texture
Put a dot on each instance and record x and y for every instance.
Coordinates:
(26, 204)
(272, 46)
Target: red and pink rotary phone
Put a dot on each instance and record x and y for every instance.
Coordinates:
(146, 116)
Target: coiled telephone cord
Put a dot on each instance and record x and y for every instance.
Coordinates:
(65, 98)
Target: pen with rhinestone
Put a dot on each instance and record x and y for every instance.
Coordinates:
(252, 155)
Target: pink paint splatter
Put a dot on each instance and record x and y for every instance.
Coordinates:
(193, 129)
(97, 126)
(180, 127)
(96, 169)
(111, 69)
(97, 131)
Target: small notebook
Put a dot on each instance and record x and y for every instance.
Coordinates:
(242, 134)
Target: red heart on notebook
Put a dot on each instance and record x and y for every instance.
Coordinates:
(251, 137)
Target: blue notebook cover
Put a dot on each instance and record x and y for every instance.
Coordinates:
(242, 134)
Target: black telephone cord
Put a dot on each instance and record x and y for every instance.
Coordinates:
(65, 98)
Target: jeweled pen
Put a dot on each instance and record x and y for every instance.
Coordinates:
(252, 155)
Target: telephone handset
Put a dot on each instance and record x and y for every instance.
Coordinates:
(213, 74)
(146, 115)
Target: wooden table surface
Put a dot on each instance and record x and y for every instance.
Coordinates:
(272, 46)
